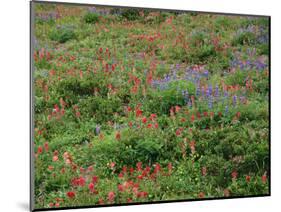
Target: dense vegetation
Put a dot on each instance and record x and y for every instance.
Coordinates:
(140, 106)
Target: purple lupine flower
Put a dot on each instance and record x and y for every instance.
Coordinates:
(242, 66)
(206, 73)
(174, 74)
(234, 100)
(210, 89)
(225, 94)
(92, 10)
(260, 65)
(185, 96)
(202, 91)
(210, 102)
(207, 93)
(217, 91)
(198, 89)
(242, 99)
(226, 109)
(97, 130)
(189, 104)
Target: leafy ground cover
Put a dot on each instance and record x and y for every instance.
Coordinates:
(142, 106)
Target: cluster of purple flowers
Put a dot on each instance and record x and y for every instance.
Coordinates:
(47, 16)
(250, 28)
(190, 74)
(214, 96)
(211, 96)
(162, 84)
(252, 63)
(260, 32)
(99, 11)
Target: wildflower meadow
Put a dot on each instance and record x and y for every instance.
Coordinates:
(139, 105)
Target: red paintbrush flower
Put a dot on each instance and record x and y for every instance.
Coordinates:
(139, 166)
(192, 118)
(124, 169)
(90, 168)
(46, 146)
(248, 178)
(91, 187)
(204, 171)
(95, 179)
(138, 113)
(192, 146)
(149, 125)
(112, 165)
(226, 192)
(118, 136)
(144, 120)
(178, 132)
(264, 178)
(111, 196)
(157, 168)
(201, 195)
(78, 181)
(56, 108)
(234, 175)
(78, 114)
(156, 125)
(153, 116)
(120, 188)
(39, 150)
(101, 202)
(170, 167)
(70, 194)
(177, 108)
(55, 158)
(142, 194)
(238, 114)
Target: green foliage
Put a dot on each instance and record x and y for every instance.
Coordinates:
(130, 14)
(62, 34)
(91, 18)
(244, 38)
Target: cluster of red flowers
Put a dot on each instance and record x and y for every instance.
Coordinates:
(141, 173)
(40, 148)
(152, 120)
(149, 122)
(149, 38)
(136, 83)
(56, 202)
(76, 110)
(197, 116)
(118, 135)
(57, 111)
(103, 54)
(78, 181)
(41, 54)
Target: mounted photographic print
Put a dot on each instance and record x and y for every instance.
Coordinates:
(138, 105)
